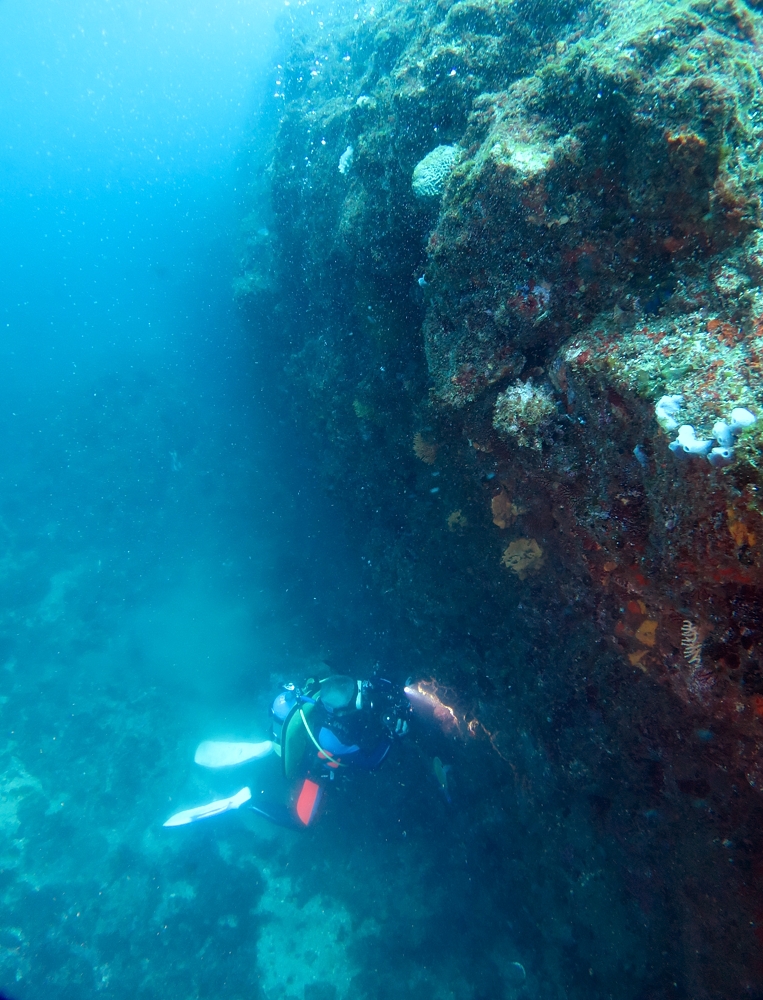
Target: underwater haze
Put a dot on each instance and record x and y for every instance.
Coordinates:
(155, 547)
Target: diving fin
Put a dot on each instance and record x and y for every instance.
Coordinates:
(214, 754)
(212, 809)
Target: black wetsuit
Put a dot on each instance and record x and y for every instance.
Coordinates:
(359, 739)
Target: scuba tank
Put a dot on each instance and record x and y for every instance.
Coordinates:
(283, 708)
(280, 710)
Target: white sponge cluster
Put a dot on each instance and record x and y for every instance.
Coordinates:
(666, 410)
(718, 449)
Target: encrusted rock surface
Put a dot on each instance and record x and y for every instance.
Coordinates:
(482, 370)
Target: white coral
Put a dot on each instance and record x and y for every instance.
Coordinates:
(345, 160)
(431, 173)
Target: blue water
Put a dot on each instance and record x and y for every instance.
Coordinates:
(128, 455)
(164, 546)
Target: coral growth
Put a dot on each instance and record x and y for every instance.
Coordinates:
(691, 644)
(424, 450)
(523, 556)
(456, 520)
(504, 510)
(430, 175)
(524, 413)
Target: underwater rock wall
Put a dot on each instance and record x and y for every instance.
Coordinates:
(481, 359)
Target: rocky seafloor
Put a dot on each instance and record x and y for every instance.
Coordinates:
(492, 240)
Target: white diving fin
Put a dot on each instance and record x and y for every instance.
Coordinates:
(213, 809)
(213, 754)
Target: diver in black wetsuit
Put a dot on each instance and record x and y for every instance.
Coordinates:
(354, 722)
(320, 729)
(348, 724)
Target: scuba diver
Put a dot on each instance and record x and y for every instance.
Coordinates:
(318, 730)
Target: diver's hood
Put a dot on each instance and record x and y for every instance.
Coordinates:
(340, 694)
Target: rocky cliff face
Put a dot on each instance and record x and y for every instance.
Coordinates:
(494, 363)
